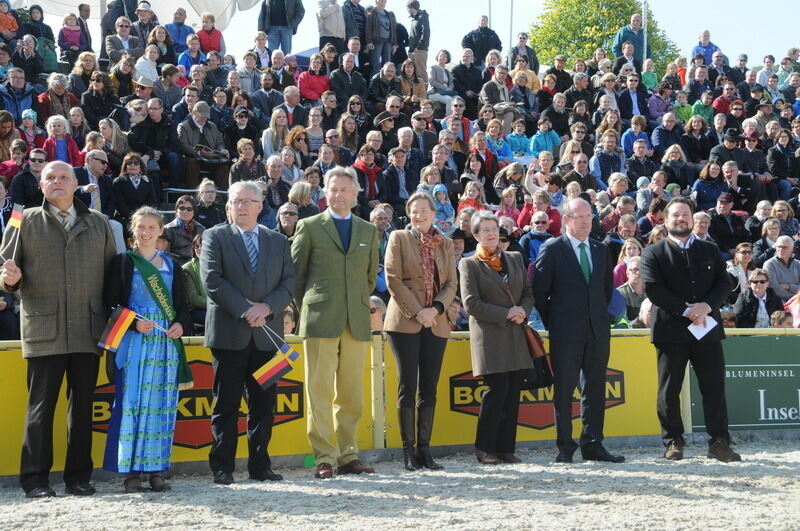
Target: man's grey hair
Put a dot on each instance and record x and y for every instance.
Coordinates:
(341, 171)
(57, 79)
(272, 159)
(375, 212)
(404, 130)
(701, 215)
(580, 76)
(290, 89)
(443, 133)
(239, 186)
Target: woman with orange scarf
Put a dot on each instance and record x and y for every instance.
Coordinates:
(421, 277)
(497, 296)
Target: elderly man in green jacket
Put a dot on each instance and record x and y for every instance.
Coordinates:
(335, 256)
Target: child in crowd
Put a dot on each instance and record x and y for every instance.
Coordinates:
(229, 63)
(681, 63)
(508, 204)
(702, 107)
(781, 319)
(671, 76)
(444, 209)
(681, 107)
(604, 106)
(9, 168)
(29, 131)
(193, 55)
(146, 65)
(638, 123)
(180, 78)
(471, 197)
(71, 39)
(519, 143)
(649, 76)
(673, 189)
(8, 23)
(59, 144)
(79, 126)
(545, 139)
(428, 179)
(5, 59)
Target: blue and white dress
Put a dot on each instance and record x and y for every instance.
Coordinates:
(142, 423)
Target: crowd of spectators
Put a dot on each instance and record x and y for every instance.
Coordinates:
(160, 105)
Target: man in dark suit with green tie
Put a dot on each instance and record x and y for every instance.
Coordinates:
(572, 287)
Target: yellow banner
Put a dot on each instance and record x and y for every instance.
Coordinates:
(193, 426)
(631, 388)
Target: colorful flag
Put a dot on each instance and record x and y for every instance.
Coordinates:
(275, 368)
(117, 325)
(16, 216)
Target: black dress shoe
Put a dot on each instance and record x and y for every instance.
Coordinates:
(40, 492)
(223, 478)
(82, 488)
(266, 475)
(597, 452)
(564, 457)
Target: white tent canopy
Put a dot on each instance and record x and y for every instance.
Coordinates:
(222, 10)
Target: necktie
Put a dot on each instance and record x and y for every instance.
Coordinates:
(252, 252)
(96, 199)
(585, 267)
(64, 219)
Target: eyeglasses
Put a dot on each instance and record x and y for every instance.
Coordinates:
(244, 202)
(745, 251)
(540, 222)
(186, 208)
(419, 119)
(133, 163)
(101, 161)
(760, 281)
(333, 136)
(243, 115)
(292, 214)
(355, 103)
(38, 161)
(575, 152)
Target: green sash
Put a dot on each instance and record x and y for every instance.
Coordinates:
(162, 296)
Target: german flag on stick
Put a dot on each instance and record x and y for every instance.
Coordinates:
(16, 216)
(117, 325)
(274, 369)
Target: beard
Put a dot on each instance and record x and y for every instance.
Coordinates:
(680, 231)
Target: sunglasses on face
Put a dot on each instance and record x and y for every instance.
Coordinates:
(37, 161)
(133, 163)
(101, 161)
(186, 208)
(759, 281)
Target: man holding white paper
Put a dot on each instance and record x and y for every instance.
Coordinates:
(685, 279)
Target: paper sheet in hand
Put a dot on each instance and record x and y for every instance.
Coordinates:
(699, 331)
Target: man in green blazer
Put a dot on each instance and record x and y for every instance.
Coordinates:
(335, 256)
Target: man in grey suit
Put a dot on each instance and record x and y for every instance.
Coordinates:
(123, 43)
(248, 274)
(572, 288)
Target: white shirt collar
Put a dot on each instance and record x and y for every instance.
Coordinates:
(682, 245)
(334, 215)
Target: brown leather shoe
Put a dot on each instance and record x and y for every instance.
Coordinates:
(722, 451)
(674, 451)
(323, 471)
(509, 458)
(486, 458)
(355, 467)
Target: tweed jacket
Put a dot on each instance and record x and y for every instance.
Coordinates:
(496, 344)
(62, 308)
(333, 286)
(115, 50)
(405, 279)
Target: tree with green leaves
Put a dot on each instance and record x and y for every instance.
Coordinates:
(576, 28)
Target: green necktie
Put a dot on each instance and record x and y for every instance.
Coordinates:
(585, 267)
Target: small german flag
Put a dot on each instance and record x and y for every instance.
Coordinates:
(16, 216)
(117, 325)
(275, 368)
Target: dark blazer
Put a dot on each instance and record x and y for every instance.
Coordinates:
(746, 307)
(392, 183)
(118, 289)
(25, 189)
(128, 198)
(566, 304)
(106, 193)
(626, 105)
(673, 277)
(429, 139)
(621, 61)
(230, 283)
(300, 114)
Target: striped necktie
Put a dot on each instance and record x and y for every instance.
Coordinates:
(252, 252)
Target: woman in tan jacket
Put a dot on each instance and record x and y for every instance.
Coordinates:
(421, 276)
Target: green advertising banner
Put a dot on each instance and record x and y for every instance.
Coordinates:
(762, 383)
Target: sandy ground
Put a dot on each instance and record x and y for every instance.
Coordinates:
(762, 492)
